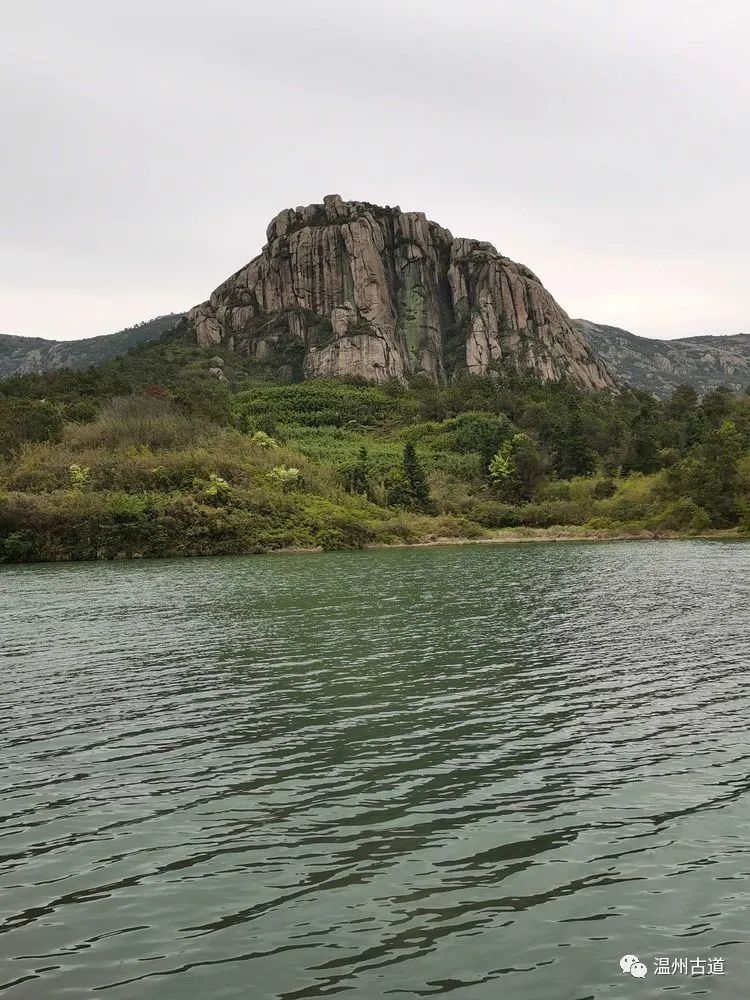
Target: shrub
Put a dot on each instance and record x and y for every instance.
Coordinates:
(343, 531)
(125, 507)
(286, 476)
(549, 513)
(16, 547)
(81, 411)
(355, 476)
(138, 421)
(558, 489)
(681, 515)
(264, 440)
(516, 470)
(398, 529)
(416, 478)
(78, 476)
(744, 508)
(493, 514)
(601, 523)
(450, 526)
(603, 489)
(216, 489)
(406, 485)
(474, 433)
(26, 420)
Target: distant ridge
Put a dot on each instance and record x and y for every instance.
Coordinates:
(659, 366)
(27, 355)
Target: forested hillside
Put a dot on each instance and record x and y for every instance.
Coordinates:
(180, 450)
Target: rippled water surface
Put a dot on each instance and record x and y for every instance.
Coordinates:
(485, 771)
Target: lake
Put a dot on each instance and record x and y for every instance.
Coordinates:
(478, 771)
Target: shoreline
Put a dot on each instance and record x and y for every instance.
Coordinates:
(513, 536)
(502, 536)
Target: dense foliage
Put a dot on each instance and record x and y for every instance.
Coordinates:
(174, 449)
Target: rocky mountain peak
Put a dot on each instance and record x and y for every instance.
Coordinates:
(351, 288)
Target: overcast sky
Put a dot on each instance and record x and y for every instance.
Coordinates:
(146, 145)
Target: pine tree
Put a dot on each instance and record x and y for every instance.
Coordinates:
(575, 455)
(416, 478)
(643, 450)
(356, 477)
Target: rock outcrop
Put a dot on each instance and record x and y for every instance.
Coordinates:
(348, 288)
(659, 366)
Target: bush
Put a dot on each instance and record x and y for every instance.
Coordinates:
(681, 515)
(139, 421)
(27, 420)
(450, 526)
(16, 547)
(603, 489)
(516, 471)
(550, 513)
(264, 440)
(472, 433)
(78, 476)
(126, 507)
(286, 476)
(406, 485)
(355, 475)
(215, 490)
(601, 523)
(493, 514)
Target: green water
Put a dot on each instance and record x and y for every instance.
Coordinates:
(481, 772)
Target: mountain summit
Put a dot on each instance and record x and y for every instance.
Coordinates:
(349, 288)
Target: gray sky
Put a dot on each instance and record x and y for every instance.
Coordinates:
(146, 145)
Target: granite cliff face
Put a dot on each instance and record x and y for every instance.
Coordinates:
(659, 366)
(348, 288)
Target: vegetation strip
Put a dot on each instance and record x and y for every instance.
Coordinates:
(175, 449)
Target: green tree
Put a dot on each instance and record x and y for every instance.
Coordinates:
(480, 432)
(683, 402)
(517, 469)
(575, 456)
(398, 490)
(642, 453)
(416, 478)
(709, 475)
(503, 472)
(355, 477)
(407, 484)
(717, 404)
